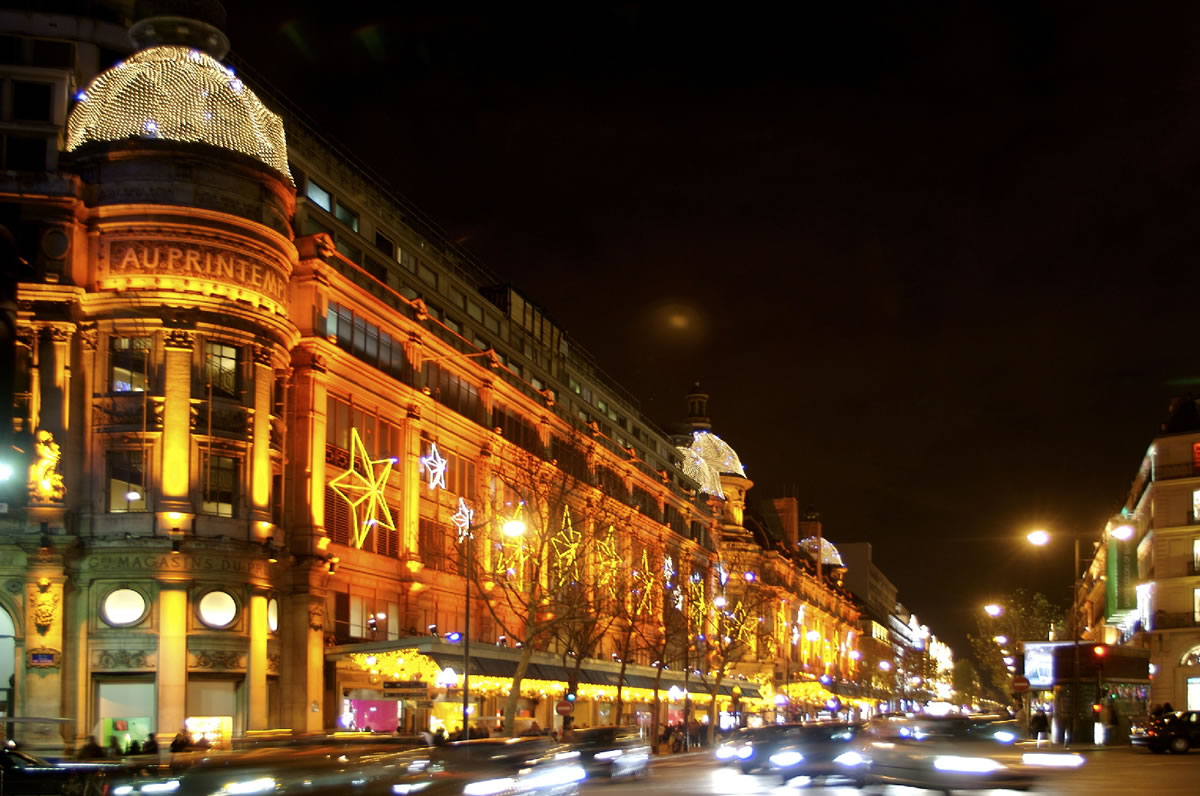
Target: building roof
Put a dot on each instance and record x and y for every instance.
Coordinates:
(180, 94)
(829, 554)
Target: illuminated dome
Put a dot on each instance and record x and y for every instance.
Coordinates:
(829, 554)
(696, 468)
(707, 459)
(178, 94)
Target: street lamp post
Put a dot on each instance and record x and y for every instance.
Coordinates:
(1041, 538)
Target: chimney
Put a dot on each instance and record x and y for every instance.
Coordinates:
(788, 509)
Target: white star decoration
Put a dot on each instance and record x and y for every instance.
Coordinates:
(435, 466)
(362, 486)
(462, 519)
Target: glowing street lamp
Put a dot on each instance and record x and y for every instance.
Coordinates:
(1000, 639)
(993, 610)
(1040, 537)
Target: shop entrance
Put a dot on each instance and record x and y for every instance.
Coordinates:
(125, 711)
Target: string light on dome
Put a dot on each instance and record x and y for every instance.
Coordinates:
(190, 96)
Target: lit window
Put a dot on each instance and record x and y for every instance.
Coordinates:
(128, 359)
(218, 609)
(346, 216)
(318, 195)
(123, 607)
(126, 481)
(574, 385)
(221, 369)
(219, 477)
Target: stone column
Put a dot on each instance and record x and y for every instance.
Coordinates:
(76, 670)
(307, 430)
(303, 666)
(44, 620)
(56, 380)
(260, 452)
(256, 663)
(175, 478)
(172, 658)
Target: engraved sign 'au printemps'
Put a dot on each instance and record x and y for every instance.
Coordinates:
(129, 260)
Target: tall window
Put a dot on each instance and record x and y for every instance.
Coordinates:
(318, 195)
(126, 481)
(221, 369)
(128, 359)
(219, 477)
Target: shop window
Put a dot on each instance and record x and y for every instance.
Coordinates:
(221, 369)
(319, 196)
(126, 481)
(128, 359)
(217, 609)
(123, 607)
(219, 478)
(125, 709)
(346, 216)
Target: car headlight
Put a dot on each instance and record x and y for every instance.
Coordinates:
(608, 755)
(488, 787)
(122, 790)
(966, 765)
(745, 751)
(1052, 760)
(552, 777)
(724, 752)
(169, 786)
(786, 759)
(405, 788)
(850, 759)
(1004, 736)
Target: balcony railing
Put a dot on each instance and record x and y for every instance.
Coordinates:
(1166, 621)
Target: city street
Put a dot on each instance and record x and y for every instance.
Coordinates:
(1107, 771)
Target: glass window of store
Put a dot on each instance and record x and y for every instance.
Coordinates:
(126, 481)
(125, 709)
(212, 712)
(219, 474)
(128, 360)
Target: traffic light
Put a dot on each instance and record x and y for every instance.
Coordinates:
(1100, 651)
(570, 697)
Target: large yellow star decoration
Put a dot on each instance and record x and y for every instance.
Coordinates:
(566, 551)
(362, 485)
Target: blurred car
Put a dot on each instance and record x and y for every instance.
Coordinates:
(1176, 732)
(819, 751)
(611, 752)
(533, 766)
(23, 773)
(751, 747)
(952, 753)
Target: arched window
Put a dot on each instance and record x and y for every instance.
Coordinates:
(1191, 657)
(7, 651)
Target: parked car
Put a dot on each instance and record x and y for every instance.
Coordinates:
(822, 751)
(612, 752)
(1177, 732)
(952, 753)
(751, 747)
(29, 775)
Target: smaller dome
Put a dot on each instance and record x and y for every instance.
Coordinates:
(830, 556)
(178, 94)
(717, 453)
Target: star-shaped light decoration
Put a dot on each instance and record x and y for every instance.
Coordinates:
(566, 550)
(462, 519)
(608, 557)
(362, 485)
(435, 467)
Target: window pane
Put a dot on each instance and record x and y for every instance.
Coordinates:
(128, 358)
(220, 482)
(347, 216)
(221, 368)
(126, 481)
(318, 195)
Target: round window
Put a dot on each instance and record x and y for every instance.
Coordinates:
(218, 609)
(273, 615)
(123, 607)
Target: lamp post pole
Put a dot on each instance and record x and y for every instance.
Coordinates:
(1075, 642)
(466, 706)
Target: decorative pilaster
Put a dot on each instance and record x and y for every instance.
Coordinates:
(256, 664)
(172, 657)
(175, 480)
(260, 452)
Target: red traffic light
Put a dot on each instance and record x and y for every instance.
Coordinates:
(1096, 708)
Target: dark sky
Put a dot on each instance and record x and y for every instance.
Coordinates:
(934, 262)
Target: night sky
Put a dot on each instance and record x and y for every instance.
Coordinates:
(934, 262)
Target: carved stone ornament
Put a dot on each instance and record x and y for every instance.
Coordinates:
(414, 412)
(13, 586)
(316, 616)
(263, 355)
(124, 659)
(60, 334)
(45, 606)
(179, 339)
(45, 482)
(217, 659)
(88, 337)
(274, 663)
